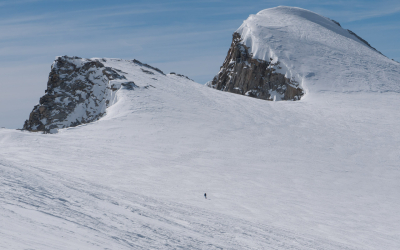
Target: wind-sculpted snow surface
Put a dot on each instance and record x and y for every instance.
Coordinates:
(315, 174)
(319, 173)
(317, 52)
(49, 211)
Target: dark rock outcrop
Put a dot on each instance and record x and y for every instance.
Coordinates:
(77, 92)
(147, 66)
(242, 74)
(180, 75)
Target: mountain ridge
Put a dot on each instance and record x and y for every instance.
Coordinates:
(283, 53)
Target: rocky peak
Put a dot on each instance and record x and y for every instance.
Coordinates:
(78, 91)
(242, 74)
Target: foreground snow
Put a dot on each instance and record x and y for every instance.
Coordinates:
(320, 173)
(46, 211)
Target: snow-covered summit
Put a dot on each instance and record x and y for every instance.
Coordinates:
(318, 52)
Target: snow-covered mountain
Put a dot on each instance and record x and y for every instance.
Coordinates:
(285, 51)
(318, 173)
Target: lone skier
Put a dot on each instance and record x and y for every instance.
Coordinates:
(205, 196)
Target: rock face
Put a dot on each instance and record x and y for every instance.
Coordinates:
(78, 91)
(241, 74)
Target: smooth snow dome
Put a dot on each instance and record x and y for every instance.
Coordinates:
(317, 52)
(319, 173)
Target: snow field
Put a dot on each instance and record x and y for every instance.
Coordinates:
(317, 168)
(319, 173)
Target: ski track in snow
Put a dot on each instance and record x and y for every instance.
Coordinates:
(135, 178)
(81, 215)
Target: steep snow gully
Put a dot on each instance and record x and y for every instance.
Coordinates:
(316, 173)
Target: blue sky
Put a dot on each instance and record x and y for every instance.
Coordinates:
(187, 37)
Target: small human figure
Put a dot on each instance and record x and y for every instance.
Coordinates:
(205, 196)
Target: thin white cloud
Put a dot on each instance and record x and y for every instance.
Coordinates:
(359, 10)
(14, 2)
(25, 19)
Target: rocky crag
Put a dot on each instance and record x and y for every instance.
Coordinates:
(242, 74)
(78, 91)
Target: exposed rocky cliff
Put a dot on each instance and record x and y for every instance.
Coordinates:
(242, 74)
(78, 91)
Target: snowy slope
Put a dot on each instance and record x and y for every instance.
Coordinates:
(320, 173)
(318, 52)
